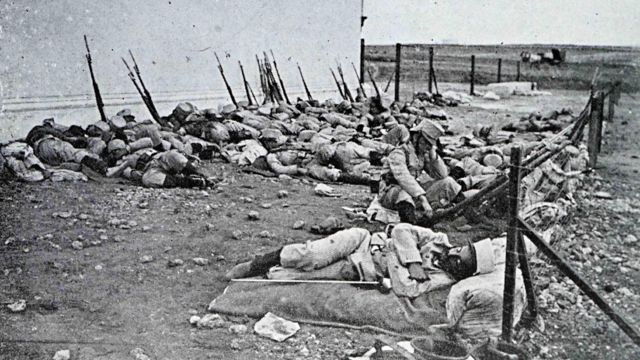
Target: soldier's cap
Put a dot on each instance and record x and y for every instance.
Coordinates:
(118, 121)
(326, 152)
(116, 144)
(430, 130)
(125, 113)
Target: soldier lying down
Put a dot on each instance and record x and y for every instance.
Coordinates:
(416, 259)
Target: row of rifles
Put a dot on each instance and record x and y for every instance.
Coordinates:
(273, 89)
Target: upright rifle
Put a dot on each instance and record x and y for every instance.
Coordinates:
(337, 84)
(224, 78)
(375, 86)
(149, 101)
(347, 93)
(284, 91)
(263, 82)
(135, 83)
(272, 79)
(246, 84)
(96, 89)
(389, 82)
(359, 80)
(306, 88)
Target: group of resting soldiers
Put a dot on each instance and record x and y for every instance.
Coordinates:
(371, 142)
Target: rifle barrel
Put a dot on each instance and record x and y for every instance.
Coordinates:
(284, 91)
(359, 81)
(375, 86)
(337, 84)
(306, 88)
(226, 83)
(96, 88)
(347, 93)
(246, 84)
(149, 101)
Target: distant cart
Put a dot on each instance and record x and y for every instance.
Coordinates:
(553, 56)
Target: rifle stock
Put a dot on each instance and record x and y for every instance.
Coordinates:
(375, 86)
(96, 88)
(246, 84)
(147, 95)
(347, 93)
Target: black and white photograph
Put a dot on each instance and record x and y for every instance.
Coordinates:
(305, 179)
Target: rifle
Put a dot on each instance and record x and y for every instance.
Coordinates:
(337, 84)
(346, 88)
(359, 81)
(252, 94)
(149, 101)
(135, 83)
(284, 91)
(272, 80)
(96, 89)
(306, 88)
(263, 82)
(246, 84)
(389, 82)
(224, 78)
(375, 86)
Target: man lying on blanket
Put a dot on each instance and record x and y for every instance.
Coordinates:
(416, 259)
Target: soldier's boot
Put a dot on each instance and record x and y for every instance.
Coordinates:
(258, 266)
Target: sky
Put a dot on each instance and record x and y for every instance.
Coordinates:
(582, 22)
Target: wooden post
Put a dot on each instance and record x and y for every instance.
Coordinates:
(499, 70)
(567, 270)
(362, 61)
(600, 122)
(397, 83)
(518, 71)
(473, 74)
(532, 304)
(592, 144)
(512, 244)
(430, 68)
(612, 106)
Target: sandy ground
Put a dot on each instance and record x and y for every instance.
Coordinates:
(102, 301)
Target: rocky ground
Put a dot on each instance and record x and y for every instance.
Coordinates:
(114, 271)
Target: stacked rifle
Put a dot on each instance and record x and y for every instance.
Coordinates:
(96, 89)
(142, 89)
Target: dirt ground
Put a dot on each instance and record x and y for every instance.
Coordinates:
(103, 301)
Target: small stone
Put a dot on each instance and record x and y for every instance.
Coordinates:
(193, 312)
(48, 237)
(211, 321)
(603, 195)
(236, 344)
(175, 262)
(117, 239)
(98, 267)
(265, 234)
(630, 239)
(114, 222)
(200, 261)
(104, 237)
(77, 245)
(220, 258)
(138, 354)
(283, 194)
(146, 228)
(83, 216)
(95, 242)
(9, 240)
(236, 234)
(132, 223)
(298, 225)
(625, 292)
(266, 205)
(62, 355)
(284, 177)
(143, 205)
(238, 329)
(210, 227)
(304, 351)
(65, 214)
(18, 306)
(124, 227)
(193, 320)
(146, 259)
(253, 215)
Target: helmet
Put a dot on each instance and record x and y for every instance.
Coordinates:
(430, 130)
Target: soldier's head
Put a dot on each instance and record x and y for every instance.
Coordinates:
(425, 135)
(469, 260)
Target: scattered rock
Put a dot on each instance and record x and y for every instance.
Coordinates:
(146, 259)
(18, 306)
(104, 237)
(266, 205)
(276, 328)
(298, 225)
(283, 194)
(211, 321)
(220, 258)
(87, 353)
(625, 292)
(236, 344)
(98, 267)
(603, 195)
(83, 216)
(64, 214)
(238, 329)
(138, 354)
(77, 245)
(265, 234)
(175, 262)
(143, 205)
(10, 240)
(200, 261)
(193, 320)
(132, 223)
(236, 234)
(146, 228)
(253, 215)
(630, 239)
(62, 355)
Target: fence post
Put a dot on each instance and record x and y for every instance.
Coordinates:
(592, 144)
(430, 68)
(518, 71)
(512, 244)
(473, 74)
(397, 83)
(499, 70)
(612, 105)
(362, 61)
(600, 122)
